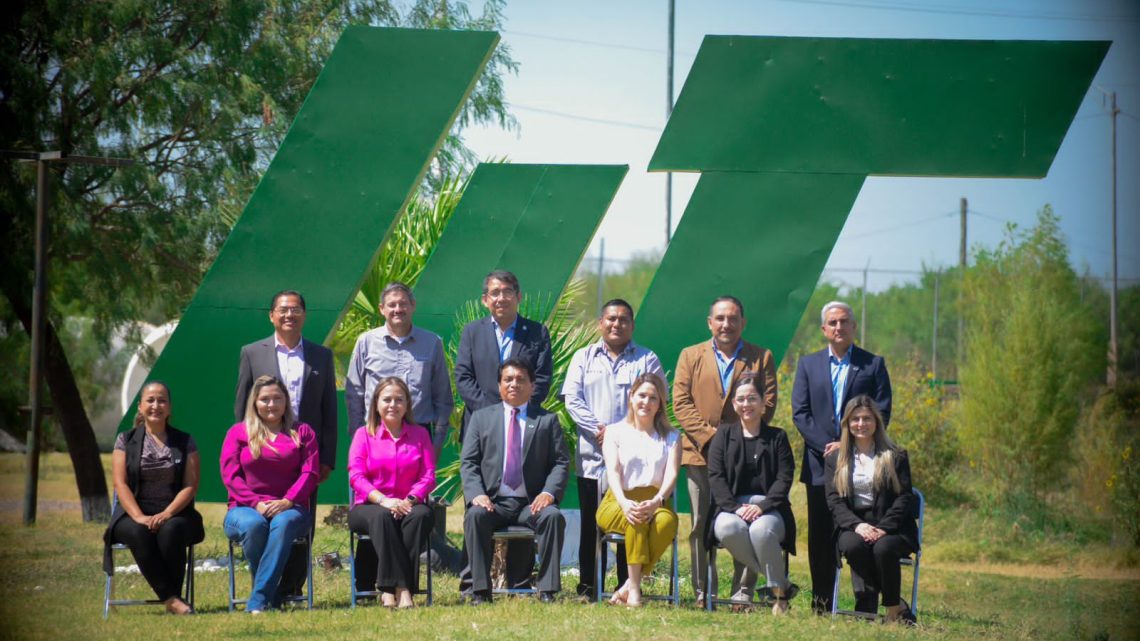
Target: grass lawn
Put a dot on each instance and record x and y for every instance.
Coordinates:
(51, 587)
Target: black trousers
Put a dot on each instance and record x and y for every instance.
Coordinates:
(874, 568)
(549, 528)
(821, 548)
(161, 556)
(395, 542)
(587, 542)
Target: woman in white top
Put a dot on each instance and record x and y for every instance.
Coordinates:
(867, 480)
(642, 455)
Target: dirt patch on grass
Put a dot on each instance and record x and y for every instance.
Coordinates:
(1056, 571)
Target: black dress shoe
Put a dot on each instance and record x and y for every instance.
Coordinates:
(546, 597)
(906, 616)
(479, 598)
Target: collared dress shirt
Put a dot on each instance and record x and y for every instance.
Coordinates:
(839, 369)
(291, 365)
(596, 392)
(397, 467)
(506, 338)
(418, 359)
(724, 366)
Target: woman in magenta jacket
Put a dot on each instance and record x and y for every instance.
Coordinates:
(391, 467)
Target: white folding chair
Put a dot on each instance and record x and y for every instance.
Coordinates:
(914, 560)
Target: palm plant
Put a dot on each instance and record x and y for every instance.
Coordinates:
(403, 259)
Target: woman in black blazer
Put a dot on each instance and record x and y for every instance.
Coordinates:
(867, 480)
(155, 473)
(751, 468)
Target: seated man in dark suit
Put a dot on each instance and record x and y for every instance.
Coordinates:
(483, 345)
(514, 466)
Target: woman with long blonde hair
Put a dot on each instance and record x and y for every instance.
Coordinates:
(643, 456)
(867, 481)
(269, 466)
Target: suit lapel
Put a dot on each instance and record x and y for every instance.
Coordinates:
(270, 355)
(309, 352)
(530, 428)
(823, 374)
(856, 365)
(497, 449)
(521, 329)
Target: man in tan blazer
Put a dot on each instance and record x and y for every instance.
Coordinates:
(702, 399)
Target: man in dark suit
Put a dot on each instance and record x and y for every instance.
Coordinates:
(483, 346)
(514, 467)
(825, 380)
(487, 342)
(307, 371)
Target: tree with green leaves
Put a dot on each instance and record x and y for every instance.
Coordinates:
(199, 95)
(1031, 355)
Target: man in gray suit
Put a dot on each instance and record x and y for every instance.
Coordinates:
(514, 466)
(307, 371)
(305, 368)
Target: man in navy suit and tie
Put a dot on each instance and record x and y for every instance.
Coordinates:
(514, 467)
(487, 342)
(483, 346)
(825, 380)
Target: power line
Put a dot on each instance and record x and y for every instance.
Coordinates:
(942, 9)
(912, 223)
(593, 43)
(596, 121)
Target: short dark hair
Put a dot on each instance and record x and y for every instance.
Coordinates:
(615, 302)
(504, 276)
(728, 298)
(287, 292)
(517, 363)
(394, 287)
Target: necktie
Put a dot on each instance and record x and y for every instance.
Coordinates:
(512, 474)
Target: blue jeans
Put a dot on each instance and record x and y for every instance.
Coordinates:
(266, 543)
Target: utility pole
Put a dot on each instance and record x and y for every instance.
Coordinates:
(668, 114)
(601, 272)
(1112, 345)
(934, 341)
(863, 313)
(962, 209)
(39, 308)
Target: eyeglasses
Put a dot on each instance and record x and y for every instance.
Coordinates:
(286, 311)
(501, 293)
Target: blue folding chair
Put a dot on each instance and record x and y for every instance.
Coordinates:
(602, 548)
(109, 589)
(306, 598)
(915, 561)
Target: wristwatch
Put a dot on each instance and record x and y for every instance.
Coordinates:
(412, 499)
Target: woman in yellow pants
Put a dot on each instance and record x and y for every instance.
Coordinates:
(642, 455)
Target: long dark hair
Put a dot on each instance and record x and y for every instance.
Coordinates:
(140, 420)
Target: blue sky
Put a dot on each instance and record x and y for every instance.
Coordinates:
(591, 89)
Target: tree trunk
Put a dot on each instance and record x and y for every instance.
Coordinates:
(67, 404)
